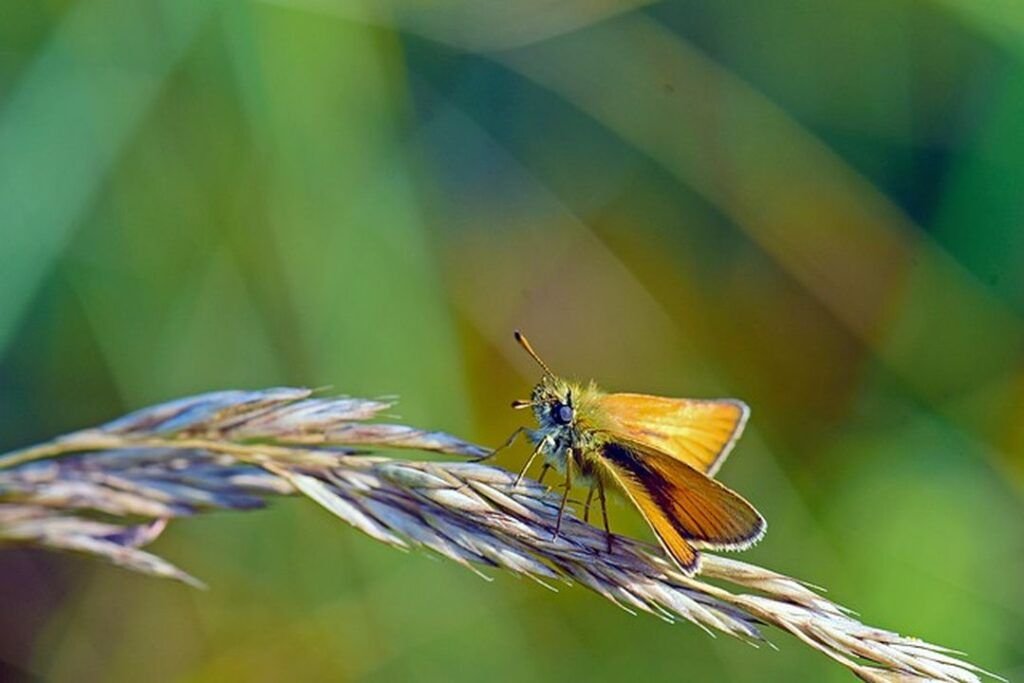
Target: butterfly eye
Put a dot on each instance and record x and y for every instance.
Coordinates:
(562, 413)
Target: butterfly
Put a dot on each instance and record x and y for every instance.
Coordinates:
(662, 453)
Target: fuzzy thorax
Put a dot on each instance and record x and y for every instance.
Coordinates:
(570, 422)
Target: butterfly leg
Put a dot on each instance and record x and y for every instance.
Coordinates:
(586, 506)
(565, 493)
(604, 511)
(543, 473)
(529, 461)
(508, 442)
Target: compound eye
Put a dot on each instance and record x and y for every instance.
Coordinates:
(562, 413)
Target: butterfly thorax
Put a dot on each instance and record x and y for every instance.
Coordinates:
(569, 422)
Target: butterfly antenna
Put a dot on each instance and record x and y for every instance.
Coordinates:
(525, 343)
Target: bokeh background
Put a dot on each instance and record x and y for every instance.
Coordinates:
(817, 207)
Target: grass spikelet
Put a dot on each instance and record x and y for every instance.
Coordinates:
(110, 491)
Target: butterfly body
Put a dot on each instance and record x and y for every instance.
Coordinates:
(660, 452)
(563, 435)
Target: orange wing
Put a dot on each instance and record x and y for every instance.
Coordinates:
(700, 433)
(685, 508)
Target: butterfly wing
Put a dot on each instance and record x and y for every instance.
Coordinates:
(685, 508)
(699, 432)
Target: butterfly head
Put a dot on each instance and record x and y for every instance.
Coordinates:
(552, 399)
(552, 403)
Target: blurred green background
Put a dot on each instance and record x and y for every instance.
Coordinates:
(816, 207)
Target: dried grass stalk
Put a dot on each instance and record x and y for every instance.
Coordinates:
(111, 490)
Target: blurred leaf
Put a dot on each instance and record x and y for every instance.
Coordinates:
(324, 98)
(66, 120)
(483, 25)
(1003, 20)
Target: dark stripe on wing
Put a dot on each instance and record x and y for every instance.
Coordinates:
(698, 508)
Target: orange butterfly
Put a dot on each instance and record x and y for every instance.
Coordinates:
(661, 452)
